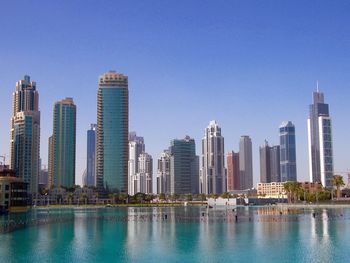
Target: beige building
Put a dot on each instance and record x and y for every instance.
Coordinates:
(13, 192)
(271, 190)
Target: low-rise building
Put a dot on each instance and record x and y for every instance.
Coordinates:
(271, 190)
(13, 192)
(311, 186)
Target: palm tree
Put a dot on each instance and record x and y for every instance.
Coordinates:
(295, 189)
(161, 196)
(337, 181)
(287, 187)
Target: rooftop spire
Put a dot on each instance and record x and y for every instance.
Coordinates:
(318, 90)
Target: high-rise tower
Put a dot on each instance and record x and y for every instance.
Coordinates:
(64, 143)
(163, 173)
(320, 141)
(184, 166)
(288, 152)
(136, 148)
(233, 171)
(112, 133)
(25, 133)
(91, 156)
(213, 173)
(143, 178)
(269, 163)
(245, 163)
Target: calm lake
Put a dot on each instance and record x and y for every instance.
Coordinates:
(176, 234)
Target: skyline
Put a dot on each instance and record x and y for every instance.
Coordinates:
(160, 73)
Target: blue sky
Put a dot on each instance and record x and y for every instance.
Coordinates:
(247, 64)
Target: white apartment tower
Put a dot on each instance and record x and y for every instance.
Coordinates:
(213, 172)
(136, 148)
(163, 173)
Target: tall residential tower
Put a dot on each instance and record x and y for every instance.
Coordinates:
(25, 133)
(213, 173)
(91, 156)
(112, 133)
(63, 144)
(136, 148)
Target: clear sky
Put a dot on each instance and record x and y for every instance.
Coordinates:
(247, 64)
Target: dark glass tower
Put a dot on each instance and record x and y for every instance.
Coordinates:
(64, 143)
(112, 133)
(91, 156)
(320, 141)
(184, 167)
(288, 152)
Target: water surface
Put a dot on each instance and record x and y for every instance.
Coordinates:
(176, 234)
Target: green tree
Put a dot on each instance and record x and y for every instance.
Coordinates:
(226, 195)
(202, 197)
(337, 181)
(189, 197)
(162, 196)
(149, 198)
(139, 198)
(174, 197)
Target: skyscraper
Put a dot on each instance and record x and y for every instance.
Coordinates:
(136, 148)
(25, 133)
(265, 171)
(213, 173)
(143, 178)
(50, 163)
(320, 141)
(275, 160)
(288, 152)
(64, 143)
(112, 133)
(184, 167)
(163, 173)
(245, 163)
(270, 163)
(91, 156)
(233, 171)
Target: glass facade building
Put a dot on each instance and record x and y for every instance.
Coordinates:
(112, 133)
(184, 167)
(269, 163)
(320, 141)
(91, 157)
(288, 152)
(245, 162)
(64, 143)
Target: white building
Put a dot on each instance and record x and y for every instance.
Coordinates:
(163, 173)
(143, 179)
(213, 172)
(136, 147)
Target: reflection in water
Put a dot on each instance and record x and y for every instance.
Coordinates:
(179, 234)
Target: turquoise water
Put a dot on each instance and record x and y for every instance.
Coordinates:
(181, 234)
